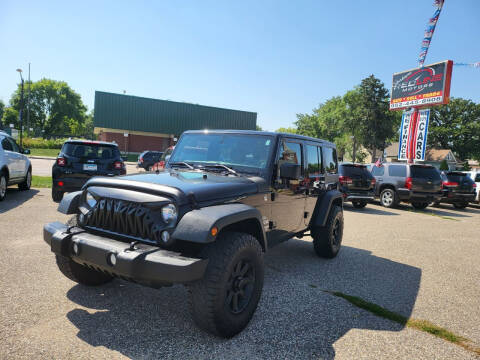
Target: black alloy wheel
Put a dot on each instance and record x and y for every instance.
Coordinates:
(240, 286)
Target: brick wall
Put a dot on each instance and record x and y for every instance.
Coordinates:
(136, 143)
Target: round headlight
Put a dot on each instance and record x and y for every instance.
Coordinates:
(91, 201)
(169, 213)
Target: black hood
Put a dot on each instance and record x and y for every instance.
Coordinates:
(179, 184)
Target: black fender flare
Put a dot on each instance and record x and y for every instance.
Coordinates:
(196, 225)
(324, 205)
(70, 203)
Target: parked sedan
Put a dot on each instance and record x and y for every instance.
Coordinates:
(458, 189)
(356, 184)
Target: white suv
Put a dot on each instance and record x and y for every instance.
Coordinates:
(15, 168)
(475, 176)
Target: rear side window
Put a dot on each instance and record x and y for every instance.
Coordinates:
(378, 170)
(424, 172)
(91, 151)
(313, 160)
(330, 160)
(477, 178)
(6, 145)
(397, 170)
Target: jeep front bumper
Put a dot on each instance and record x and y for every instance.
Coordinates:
(146, 264)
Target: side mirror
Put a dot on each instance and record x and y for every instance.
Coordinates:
(26, 151)
(290, 171)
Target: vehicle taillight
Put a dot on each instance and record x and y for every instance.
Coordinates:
(140, 160)
(450, 183)
(61, 161)
(373, 181)
(345, 179)
(408, 183)
(118, 165)
(474, 185)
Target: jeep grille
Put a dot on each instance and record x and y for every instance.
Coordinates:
(126, 219)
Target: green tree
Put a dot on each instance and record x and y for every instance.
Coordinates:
(290, 130)
(379, 124)
(258, 128)
(2, 110)
(444, 165)
(456, 126)
(54, 107)
(10, 116)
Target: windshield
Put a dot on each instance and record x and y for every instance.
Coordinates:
(91, 150)
(232, 150)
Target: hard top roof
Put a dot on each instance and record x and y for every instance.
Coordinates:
(255, 132)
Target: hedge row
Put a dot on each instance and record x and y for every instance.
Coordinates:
(39, 143)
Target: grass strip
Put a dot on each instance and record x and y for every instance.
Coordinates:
(41, 181)
(44, 152)
(422, 325)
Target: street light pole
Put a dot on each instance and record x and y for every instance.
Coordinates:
(21, 109)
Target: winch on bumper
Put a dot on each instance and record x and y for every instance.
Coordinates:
(142, 263)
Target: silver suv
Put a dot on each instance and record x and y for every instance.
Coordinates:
(15, 167)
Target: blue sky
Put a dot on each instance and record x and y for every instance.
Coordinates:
(277, 58)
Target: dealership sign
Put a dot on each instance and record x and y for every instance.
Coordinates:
(413, 135)
(426, 86)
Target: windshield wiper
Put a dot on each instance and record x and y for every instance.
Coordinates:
(183, 163)
(221, 166)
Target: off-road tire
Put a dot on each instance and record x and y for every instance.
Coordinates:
(3, 185)
(359, 204)
(81, 274)
(25, 185)
(389, 198)
(209, 297)
(460, 205)
(327, 239)
(419, 205)
(57, 196)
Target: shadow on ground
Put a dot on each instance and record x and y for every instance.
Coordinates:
(295, 318)
(15, 197)
(368, 210)
(442, 210)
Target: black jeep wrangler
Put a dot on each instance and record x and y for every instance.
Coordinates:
(224, 199)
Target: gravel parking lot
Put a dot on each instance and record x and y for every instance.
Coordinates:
(423, 265)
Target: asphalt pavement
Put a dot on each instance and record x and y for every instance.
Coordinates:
(423, 265)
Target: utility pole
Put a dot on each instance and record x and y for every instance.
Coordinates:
(28, 99)
(21, 109)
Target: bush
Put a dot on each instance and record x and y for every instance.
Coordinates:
(39, 143)
(444, 165)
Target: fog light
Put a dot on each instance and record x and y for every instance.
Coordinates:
(112, 259)
(75, 249)
(165, 236)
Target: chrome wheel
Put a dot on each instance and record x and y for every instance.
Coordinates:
(387, 198)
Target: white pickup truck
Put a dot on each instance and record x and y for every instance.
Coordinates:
(15, 167)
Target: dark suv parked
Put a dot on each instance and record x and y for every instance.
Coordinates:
(458, 189)
(356, 184)
(224, 199)
(79, 160)
(419, 185)
(147, 158)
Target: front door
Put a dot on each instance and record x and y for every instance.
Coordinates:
(288, 195)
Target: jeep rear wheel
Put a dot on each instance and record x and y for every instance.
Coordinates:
(81, 274)
(224, 301)
(327, 239)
